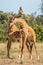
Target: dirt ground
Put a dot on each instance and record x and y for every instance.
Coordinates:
(14, 53)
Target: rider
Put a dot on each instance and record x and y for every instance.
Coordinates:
(19, 15)
(20, 12)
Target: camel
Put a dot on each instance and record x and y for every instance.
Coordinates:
(26, 36)
(30, 36)
(13, 33)
(18, 35)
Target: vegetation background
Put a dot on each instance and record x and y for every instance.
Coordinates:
(36, 22)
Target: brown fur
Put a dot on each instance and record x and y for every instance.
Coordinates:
(13, 33)
(15, 36)
(28, 37)
(29, 33)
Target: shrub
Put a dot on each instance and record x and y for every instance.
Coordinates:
(39, 32)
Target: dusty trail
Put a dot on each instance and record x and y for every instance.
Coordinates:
(14, 52)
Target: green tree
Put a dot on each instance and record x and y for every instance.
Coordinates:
(42, 6)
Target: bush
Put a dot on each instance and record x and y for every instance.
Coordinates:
(39, 32)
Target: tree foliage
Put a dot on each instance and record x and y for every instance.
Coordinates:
(42, 6)
(35, 22)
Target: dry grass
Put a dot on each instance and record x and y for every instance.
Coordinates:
(14, 52)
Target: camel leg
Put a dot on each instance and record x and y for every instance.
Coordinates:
(29, 48)
(36, 50)
(21, 49)
(8, 47)
(25, 39)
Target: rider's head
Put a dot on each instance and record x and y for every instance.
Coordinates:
(20, 8)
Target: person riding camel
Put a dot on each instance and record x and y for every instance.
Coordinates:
(20, 12)
(19, 15)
